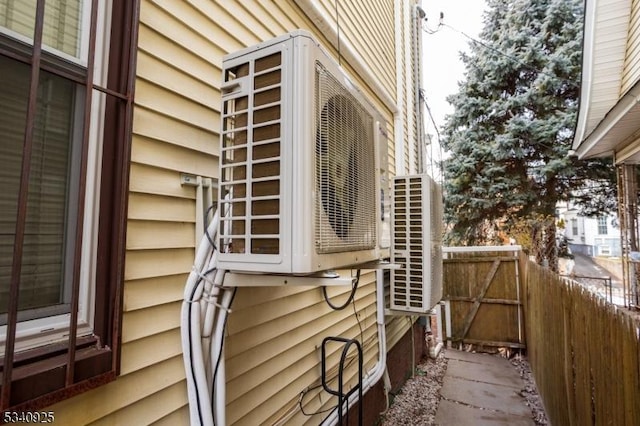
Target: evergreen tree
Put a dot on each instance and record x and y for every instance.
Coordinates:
(513, 123)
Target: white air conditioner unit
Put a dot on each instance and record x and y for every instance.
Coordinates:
(417, 224)
(299, 177)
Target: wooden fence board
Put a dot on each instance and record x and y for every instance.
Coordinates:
(481, 286)
(476, 304)
(584, 352)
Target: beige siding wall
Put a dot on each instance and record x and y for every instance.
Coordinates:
(368, 25)
(274, 334)
(273, 349)
(631, 71)
(408, 89)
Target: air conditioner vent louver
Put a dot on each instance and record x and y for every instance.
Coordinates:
(250, 160)
(299, 178)
(416, 244)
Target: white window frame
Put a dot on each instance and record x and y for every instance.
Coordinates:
(83, 50)
(602, 224)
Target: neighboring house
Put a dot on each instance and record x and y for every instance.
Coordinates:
(593, 236)
(102, 133)
(609, 115)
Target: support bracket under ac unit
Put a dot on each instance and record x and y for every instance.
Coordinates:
(324, 278)
(379, 264)
(237, 279)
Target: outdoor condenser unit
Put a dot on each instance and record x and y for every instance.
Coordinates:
(417, 221)
(299, 183)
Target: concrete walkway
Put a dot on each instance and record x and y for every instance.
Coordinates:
(481, 389)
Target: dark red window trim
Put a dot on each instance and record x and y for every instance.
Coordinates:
(40, 377)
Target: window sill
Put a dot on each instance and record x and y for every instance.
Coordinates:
(39, 376)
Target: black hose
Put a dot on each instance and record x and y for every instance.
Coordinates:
(354, 287)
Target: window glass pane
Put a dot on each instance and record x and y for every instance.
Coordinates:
(50, 220)
(63, 25)
(13, 103)
(62, 22)
(18, 16)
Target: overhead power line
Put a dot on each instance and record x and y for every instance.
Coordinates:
(498, 51)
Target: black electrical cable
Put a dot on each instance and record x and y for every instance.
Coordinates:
(355, 313)
(206, 228)
(354, 287)
(309, 389)
(435, 126)
(215, 371)
(349, 300)
(303, 394)
(338, 34)
(193, 374)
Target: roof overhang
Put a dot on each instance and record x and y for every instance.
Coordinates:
(619, 127)
(606, 29)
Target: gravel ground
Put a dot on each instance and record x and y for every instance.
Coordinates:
(417, 401)
(530, 391)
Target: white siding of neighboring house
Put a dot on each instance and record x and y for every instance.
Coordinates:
(631, 70)
(588, 239)
(607, 244)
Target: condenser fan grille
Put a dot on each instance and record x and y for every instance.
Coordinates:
(345, 169)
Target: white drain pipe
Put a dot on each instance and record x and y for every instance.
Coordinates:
(378, 370)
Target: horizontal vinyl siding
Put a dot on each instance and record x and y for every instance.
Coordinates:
(631, 71)
(274, 334)
(128, 390)
(273, 348)
(396, 327)
(152, 409)
(406, 93)
(368, 26)
(145, 293)
(177, 417)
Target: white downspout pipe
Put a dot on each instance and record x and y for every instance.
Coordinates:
(324, 23)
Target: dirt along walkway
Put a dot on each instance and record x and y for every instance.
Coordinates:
(463, 388)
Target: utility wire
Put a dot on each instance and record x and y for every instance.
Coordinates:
(338, 33)
(435, 125)
(433, 121)
(498, 51)
(513, 58)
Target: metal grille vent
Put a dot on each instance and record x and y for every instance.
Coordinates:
(251, 144)
(416, 244)
(345, 169)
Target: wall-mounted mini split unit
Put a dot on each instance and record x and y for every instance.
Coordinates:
(417, 225)
(299, 174)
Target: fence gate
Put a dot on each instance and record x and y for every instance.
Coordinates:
(482, 296)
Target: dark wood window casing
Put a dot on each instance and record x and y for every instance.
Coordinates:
(35, 378)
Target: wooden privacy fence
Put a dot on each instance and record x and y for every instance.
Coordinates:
(584, 352)
(482, 296)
